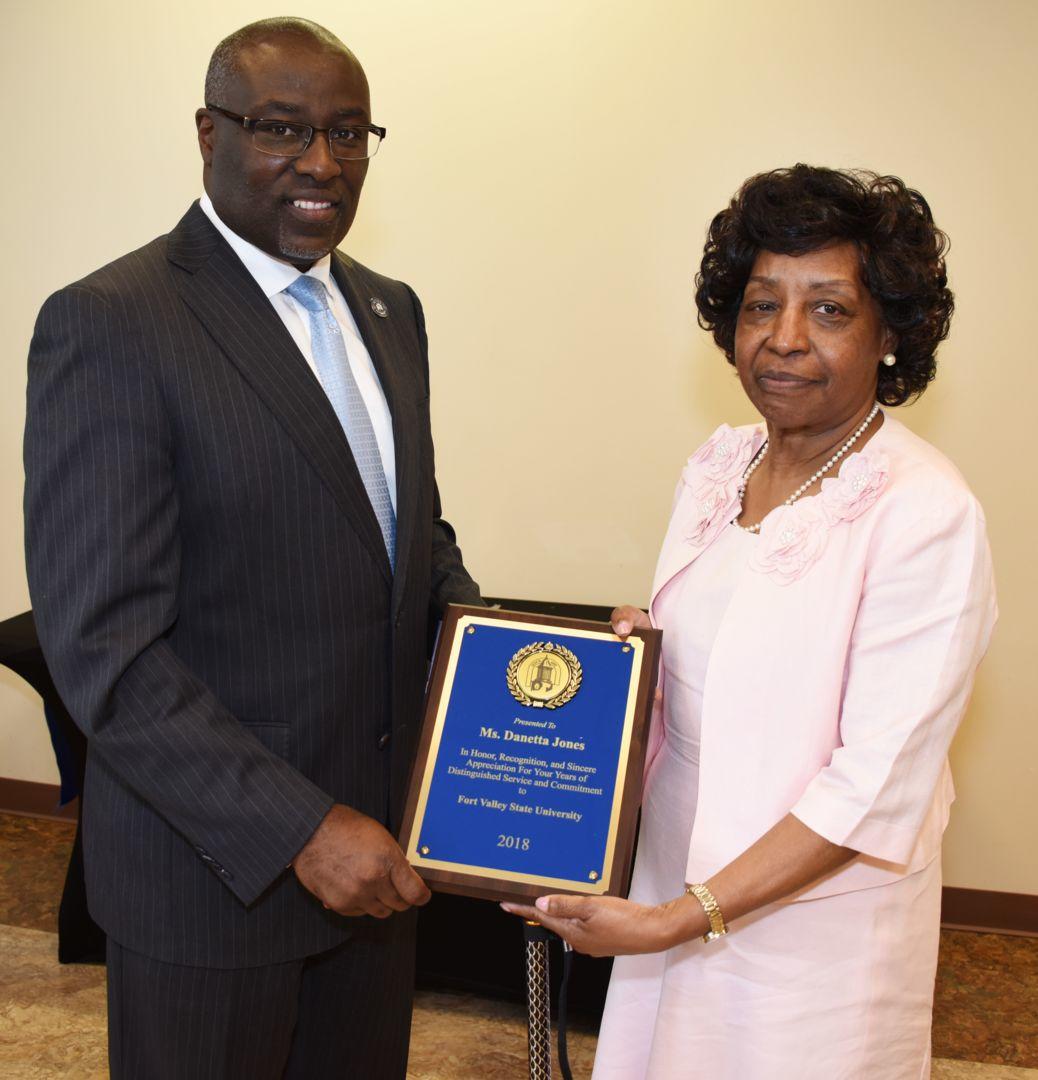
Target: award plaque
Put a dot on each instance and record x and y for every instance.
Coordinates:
(529, 769)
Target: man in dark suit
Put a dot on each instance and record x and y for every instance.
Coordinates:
(234, 548)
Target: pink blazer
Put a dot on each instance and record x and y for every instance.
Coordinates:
(846, 657)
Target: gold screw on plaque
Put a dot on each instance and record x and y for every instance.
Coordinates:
(593, 875)
(424, 850)
(627, 648)
(471, 630)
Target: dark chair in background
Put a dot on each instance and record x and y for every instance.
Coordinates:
(80, 939)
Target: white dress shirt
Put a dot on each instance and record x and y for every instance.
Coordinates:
(274, 276)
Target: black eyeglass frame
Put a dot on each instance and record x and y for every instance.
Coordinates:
(249, 124)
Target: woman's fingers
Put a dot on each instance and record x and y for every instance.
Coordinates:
(627, 618)
(563, 927)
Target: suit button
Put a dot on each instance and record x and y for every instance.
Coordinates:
(383, 740)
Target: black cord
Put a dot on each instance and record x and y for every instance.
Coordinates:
(567, 966)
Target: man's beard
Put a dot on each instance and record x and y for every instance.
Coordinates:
(296, 253)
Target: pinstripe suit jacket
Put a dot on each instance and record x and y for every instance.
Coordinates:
(212, 591)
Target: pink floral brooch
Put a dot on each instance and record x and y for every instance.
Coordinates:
(792, 538)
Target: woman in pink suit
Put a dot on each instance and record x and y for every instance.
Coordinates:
(825, 592)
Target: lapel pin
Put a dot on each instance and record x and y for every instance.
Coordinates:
(379, 307)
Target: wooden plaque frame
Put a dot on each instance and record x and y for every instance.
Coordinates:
(498, 885)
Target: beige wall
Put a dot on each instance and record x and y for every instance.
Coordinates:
(547, 180)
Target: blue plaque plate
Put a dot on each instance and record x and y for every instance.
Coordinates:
(529, 770)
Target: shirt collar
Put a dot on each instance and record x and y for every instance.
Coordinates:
(272, 275)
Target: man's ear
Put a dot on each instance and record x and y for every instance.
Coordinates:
(206, 134)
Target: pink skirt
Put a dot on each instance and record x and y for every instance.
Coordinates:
(839, 988)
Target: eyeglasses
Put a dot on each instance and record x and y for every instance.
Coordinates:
(282, 138)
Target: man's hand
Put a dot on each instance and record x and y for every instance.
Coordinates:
(354, 867)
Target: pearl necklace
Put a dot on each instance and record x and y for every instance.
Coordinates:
(759, 457)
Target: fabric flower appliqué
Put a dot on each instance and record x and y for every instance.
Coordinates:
(857, 487)
(722, 457)
(792, 538)
(712, 476)
(712, 509)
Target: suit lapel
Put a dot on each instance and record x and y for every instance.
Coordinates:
(232, 307)
(388, 341)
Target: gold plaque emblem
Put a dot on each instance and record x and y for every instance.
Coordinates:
(544, 675)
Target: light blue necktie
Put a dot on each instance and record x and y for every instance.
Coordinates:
(333, 367)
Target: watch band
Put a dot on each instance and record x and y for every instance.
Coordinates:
(713, 912)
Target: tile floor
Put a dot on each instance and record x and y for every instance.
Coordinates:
(52, 1016)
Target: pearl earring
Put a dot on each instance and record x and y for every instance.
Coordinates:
(890, 359)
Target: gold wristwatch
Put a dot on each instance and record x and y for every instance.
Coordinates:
(713, 912)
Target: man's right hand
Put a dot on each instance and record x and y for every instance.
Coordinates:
(354, 867)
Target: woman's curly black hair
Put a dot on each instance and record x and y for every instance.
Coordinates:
(793, 211)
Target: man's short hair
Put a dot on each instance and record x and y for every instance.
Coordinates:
(225, 63)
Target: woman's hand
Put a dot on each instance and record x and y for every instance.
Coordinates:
(627, 618)
(624, 620)
(609, 926)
